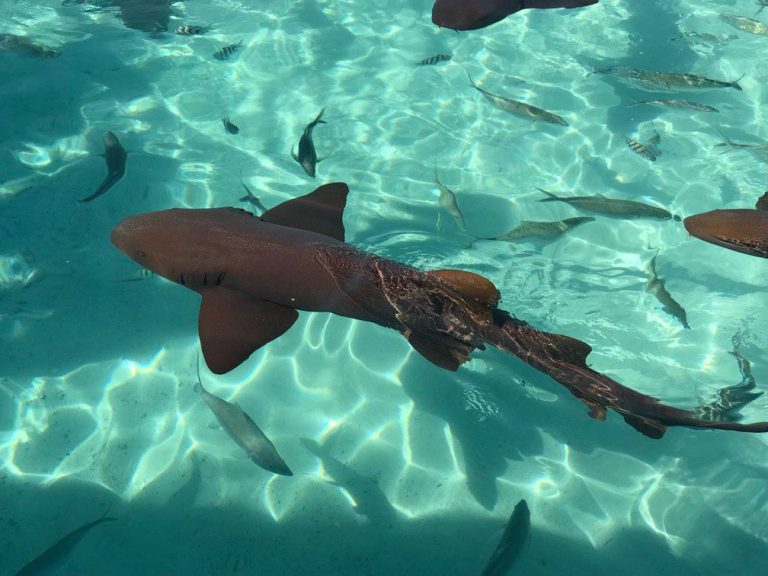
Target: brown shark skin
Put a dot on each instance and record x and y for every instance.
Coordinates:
(230, 250)
(475, 14)
(742, 230)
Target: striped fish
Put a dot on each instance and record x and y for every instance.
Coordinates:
(227, 51)
(682, 104)
(436, 59)
(648, 149)
(191, 30)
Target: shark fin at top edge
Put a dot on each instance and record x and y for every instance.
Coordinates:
(233, 325)
(321, 211)
(762, 202)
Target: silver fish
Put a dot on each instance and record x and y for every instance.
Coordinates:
(541, 231)
(22, 44)
(252, 199)
(229, 126)
(705, 38)
(669, 304)
(728, 143)
(599, 204)
(682, 104)
(191, 30)
(307, 157)
(449, 202)
(51, 556)
(226, 52)
(244, 431)
(519, 108)
(745, 24)
(436, 59)
(516, 535)
(668, 80)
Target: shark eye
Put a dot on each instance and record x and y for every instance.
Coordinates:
(141, 254)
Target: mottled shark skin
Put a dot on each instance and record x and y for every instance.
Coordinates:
(516, 535)
(255, 274)
(742, 230)
(475, 14)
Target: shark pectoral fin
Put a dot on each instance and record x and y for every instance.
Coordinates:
(233, 325)
(651, 428)
(470, 285)
(320, 211)
(294, 155)
(441, 350)
(596, 410)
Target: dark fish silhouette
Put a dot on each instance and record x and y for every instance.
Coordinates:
(519, 108)
(23, 45)
(252, 199)
(474, 14)
(52, 555)
(116, 158)
(226, 52)
(436, 59)
(307, 157)
(669, 304)
(370, 500)
(541, 231)
(229, 126)
(742, 230)
(254, 274)
(599, 204)
(244, 431)
(516, 535)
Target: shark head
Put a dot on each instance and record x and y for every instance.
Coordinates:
(740, 230)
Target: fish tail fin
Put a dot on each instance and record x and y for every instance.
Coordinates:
(319, 119)
(198, 388)
(550, 197)
(472, 82)
(736, 84)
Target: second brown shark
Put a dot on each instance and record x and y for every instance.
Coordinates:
(656, 286)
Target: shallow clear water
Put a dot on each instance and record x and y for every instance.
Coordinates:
(97, 364)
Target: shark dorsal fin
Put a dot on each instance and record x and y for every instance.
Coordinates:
(762, 202)
(233, 325)
(320, 211)
(470, 285)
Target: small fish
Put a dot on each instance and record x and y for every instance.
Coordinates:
(669, 304)
(519, 108)
(516, 535)
(682, 104)
(449, 202)
(647, 150)
(726, 407)
(599, 204)
(191, 30)
(307, 157)
(244, 431)
(229, 126)
(51, 556)
(745, 24)
(227, 51)
(541, 231)
(668, 80)
(142, 274)
(116, 158)
(436, 59)
(252, 199)
(22, 44)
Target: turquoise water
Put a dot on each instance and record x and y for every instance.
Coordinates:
(97, 363)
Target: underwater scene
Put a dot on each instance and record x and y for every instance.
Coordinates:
(338, 287)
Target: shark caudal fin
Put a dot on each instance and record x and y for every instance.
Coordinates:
(233, 325)
(320, 211)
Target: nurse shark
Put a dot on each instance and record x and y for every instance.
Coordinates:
(255, 273)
